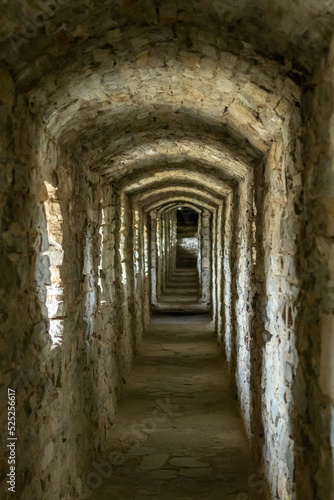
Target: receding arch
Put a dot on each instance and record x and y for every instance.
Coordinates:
(149, 200)
(177, 177)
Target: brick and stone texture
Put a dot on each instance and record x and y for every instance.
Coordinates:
(113, 115)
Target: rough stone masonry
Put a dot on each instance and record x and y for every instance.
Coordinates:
(113, 115)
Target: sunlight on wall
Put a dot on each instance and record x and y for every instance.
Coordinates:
(55, 291)
(122, 245)
(101, 275)
(146, 251)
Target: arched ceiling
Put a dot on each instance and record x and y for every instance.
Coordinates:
(163, 126)
(178, 177)
(93, 104)
(169, 207)
(141, 155)
(160, 194)
(136, 88)
(174, 201)
(295, 32)
(164, 105)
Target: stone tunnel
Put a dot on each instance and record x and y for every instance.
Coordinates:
(167, 249)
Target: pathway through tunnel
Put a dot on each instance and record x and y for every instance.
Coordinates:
(181, 291)
(178, 433)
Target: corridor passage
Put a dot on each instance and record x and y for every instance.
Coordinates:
(181, 289)
(181, 293)
(177, 432)
(167, 249)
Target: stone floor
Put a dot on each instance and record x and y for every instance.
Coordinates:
(178, 433)
(181, 293)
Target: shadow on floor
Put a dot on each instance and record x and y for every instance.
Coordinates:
(178, 432)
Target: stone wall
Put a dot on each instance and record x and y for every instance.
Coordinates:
(219, 230)
(261, 287)
(313, 386)
(171, 99)
(243, 297)
(72, 360)
(20, 318)
(213, 267)
(225, 334)
(206, 256)
(146, 269)
(281, 222)
(153, 258)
